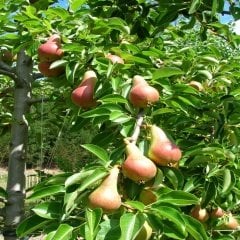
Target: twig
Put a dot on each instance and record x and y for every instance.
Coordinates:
(136, 131)
(38, 100)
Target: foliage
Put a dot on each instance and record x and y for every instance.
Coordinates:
(203, 123)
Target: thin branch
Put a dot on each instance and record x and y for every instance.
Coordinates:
(6, 70)
(5, 66)
(9, 74)
(37, 76)
(38, 100)
(136, 131)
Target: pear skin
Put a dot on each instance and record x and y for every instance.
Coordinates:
(162, 151)
(106, 196)
(142, 94)
(50, 50)
(137, 167)
(83, 95)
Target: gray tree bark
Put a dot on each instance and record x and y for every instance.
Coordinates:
(14, 209)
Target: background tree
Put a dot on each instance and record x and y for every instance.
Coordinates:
(192, 63)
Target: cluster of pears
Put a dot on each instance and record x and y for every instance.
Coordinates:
(228, 221)
(136, 167)
(162, 152)
(141, 94)
(83, 94)
(49, 52)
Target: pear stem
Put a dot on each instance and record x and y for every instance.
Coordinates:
(136, 131)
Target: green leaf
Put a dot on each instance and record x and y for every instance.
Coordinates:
(166, 72)
(93, 218)
(98, 174)
(195, 4)
(130, 225)
(3, 193)
(64, 232)
(178, 198)
(77, 178)
(95, 113)
(58, 63)
(98, 151)
(174, 176)
(49, 210)
(30, 225)
(170, 213)
(118, 24)
(46, 192)
(195, 228)
(209, 193)
(72, 200)
(109, 230)
(228, 181)
(136, 205)
(76, 4)
(206, 73)
(113, 98)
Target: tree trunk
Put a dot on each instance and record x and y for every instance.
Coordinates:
(14, 210)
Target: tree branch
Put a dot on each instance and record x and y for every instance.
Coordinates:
(22, 78)
(37, 76)
(136, 131)
(38, 100)
(6, 70)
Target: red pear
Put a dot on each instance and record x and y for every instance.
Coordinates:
(162, 150)
(44, 68)
(114, 58)
(106, 196)
(83, 95)
(231, 223)
(142, 94)
(217, 213)
(50, 50)
(137, 167)
(201, 214)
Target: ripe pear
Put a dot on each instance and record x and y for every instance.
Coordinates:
(106, 195)
(162, 150)
(51, 49)
(114, 58)
(231, 223)
(145, 232)
(83, 95)
(137, 167)
(141, 93)
(217, 213)
(201, 214)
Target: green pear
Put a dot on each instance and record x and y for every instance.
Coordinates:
(106, 196)
(137, 167)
